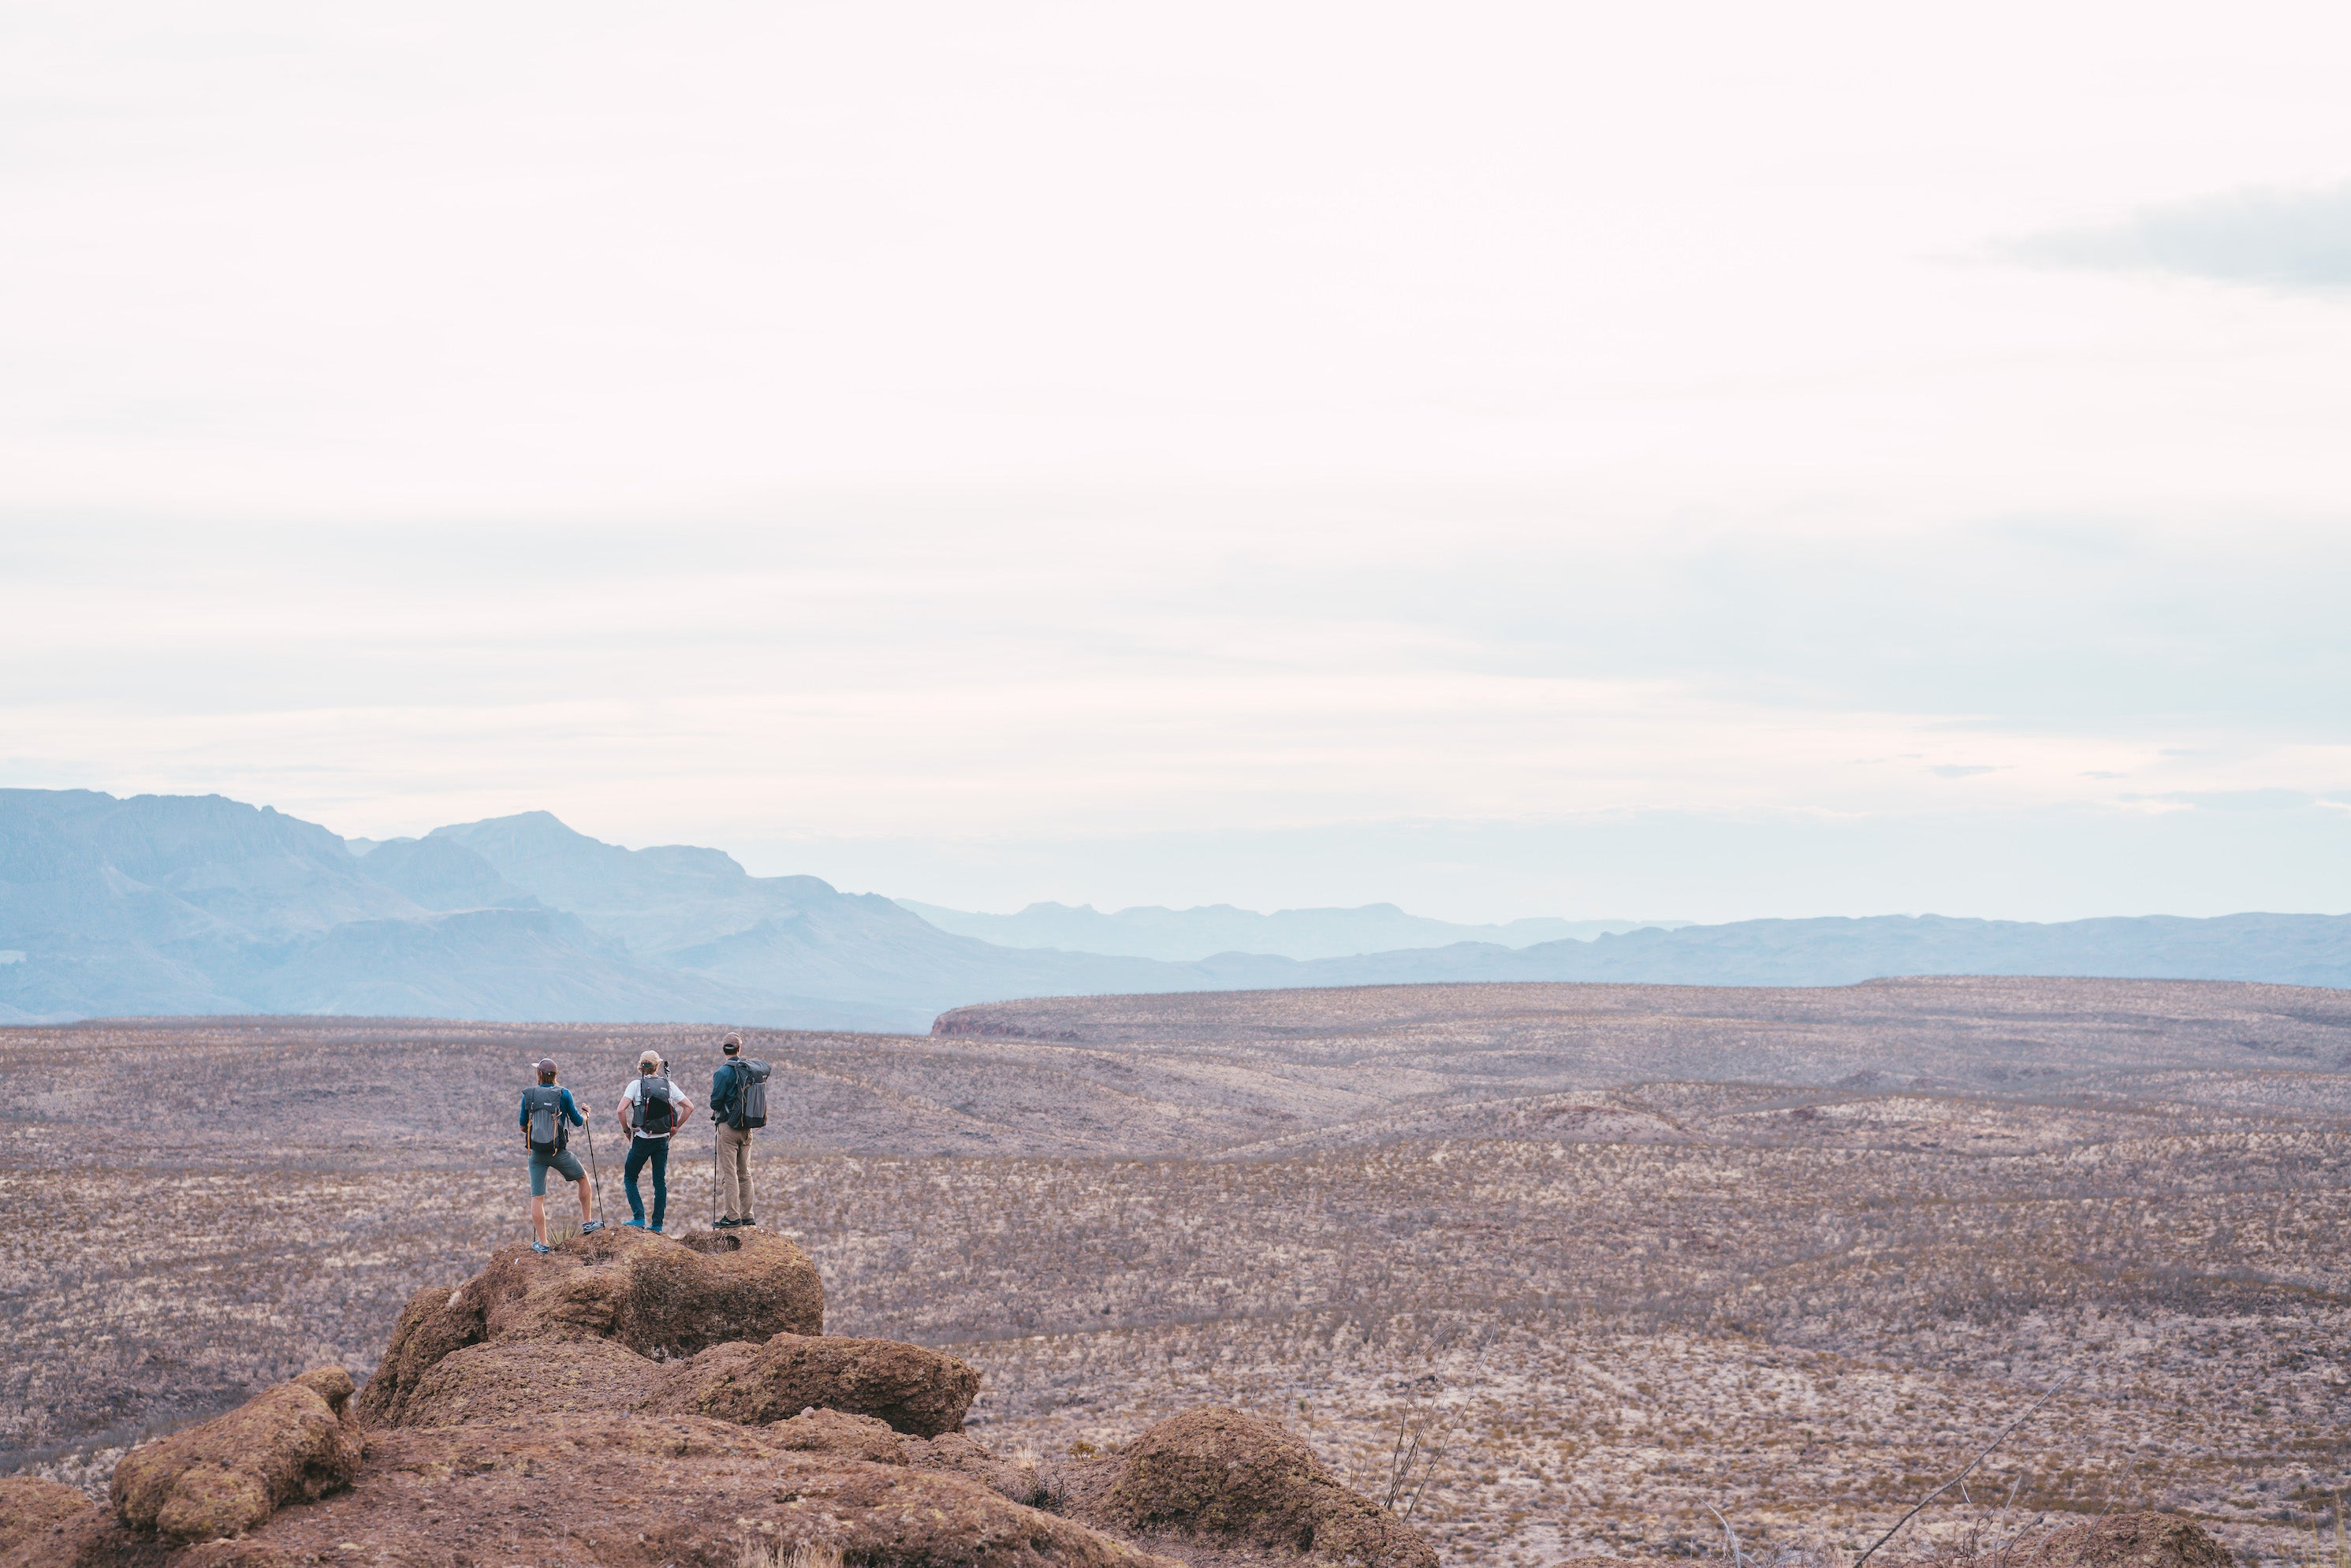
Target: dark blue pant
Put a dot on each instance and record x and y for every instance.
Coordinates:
(643, 1151)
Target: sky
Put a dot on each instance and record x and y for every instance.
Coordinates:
(1707, 462)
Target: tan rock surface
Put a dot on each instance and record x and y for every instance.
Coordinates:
(837, 1432)
(654, 1294)
(514, 1382)
(920, 1392)
(646, 1492)
(292, 1443)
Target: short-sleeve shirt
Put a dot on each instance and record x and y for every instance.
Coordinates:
(679, 1104)
(565, 1111)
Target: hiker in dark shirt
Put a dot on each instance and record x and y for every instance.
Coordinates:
(734, 1151)
(547, 1144)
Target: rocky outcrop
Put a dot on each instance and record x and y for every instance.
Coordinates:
(657, 1295)
(644, 1491)
(293, 1443)
(923, 1393)
(589, 1407)
(1217, 1475)
(2143, 1539)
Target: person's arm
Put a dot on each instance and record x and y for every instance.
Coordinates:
(571, 1108)
(522, 1118)
(628, 1097)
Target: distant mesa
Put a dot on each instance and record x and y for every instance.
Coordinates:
(1186, 935)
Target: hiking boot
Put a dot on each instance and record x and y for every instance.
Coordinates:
(541, 1247)
(635, 1225)
(748, 1220)
(589, 1226)
(654, 1231)
(725, 1224)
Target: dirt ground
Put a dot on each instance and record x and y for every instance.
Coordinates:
(1599, 1259)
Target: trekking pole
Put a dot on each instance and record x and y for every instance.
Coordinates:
(595, 1182)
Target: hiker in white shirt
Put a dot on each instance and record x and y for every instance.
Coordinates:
(649, 1109)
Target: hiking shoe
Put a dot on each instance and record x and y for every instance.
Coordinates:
(540, 1247)
(725, 1224)
(589, 1226)
(654, 1229)
(635, 1225)
(747, 1221)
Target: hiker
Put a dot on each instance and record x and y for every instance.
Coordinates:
(547, 1118)
(738, 1103)
(650, 1108)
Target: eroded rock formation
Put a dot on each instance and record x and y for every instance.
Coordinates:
(658, 1296)
(922, 1393)
(293, 1443)
(633, 1401)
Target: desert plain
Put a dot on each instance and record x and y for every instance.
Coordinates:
(1558, 1269)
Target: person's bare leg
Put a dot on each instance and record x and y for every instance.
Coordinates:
(539, 1217)
(585, 1216)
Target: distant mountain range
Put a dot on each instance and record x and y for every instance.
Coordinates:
(1184, 935)
(174, 904)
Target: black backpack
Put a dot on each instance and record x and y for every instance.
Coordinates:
(548, 1127)
(750, 1095)
(655, 1115)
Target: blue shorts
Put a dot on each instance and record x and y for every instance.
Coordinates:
(563, 1160)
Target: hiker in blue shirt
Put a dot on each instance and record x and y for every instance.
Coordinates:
(547, 1118)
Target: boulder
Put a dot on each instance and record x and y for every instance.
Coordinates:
(665, 1295)
(34, 1510)
(517, 1381)
(292, 1443)
(920, 1392)
(2142, 1540)
(1230, 1478)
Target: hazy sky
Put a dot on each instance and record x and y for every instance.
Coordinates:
(1680, 460)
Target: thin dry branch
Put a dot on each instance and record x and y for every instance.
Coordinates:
(1964, 1475)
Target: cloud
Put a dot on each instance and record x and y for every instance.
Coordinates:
(2235, 800)
(2280, 239)
(1961, 769)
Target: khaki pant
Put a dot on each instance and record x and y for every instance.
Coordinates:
(735, 1171)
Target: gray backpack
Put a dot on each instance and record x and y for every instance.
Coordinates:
(655, 1113)
(547, 1128)
(750, 1095)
